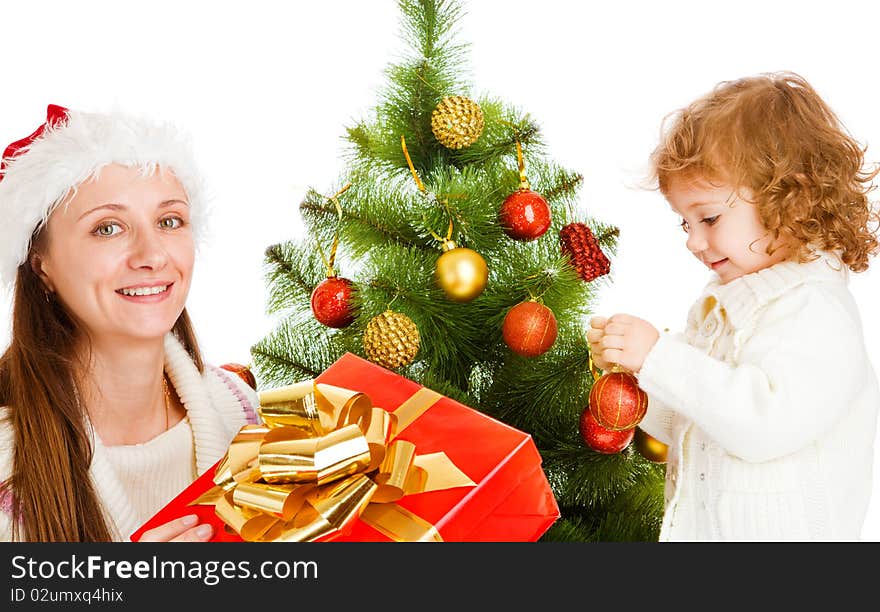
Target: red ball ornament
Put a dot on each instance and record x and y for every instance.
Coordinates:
(529, 329)
(603, 440)
(617, 402)
(525, 215)
(243, 372)
(331, 302)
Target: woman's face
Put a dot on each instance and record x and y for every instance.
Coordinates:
(119, 255)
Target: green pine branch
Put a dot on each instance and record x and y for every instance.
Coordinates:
(291, 275)
(299, 348)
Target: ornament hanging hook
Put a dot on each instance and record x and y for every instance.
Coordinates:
(329, 262)
(523, 181)
(409, 162)
(425, 81)
(595, 372)
(532, 297)
(448, 239)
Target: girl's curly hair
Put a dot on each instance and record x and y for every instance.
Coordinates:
(772, 134)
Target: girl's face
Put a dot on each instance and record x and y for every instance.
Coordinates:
(120, 254)
(723, 227)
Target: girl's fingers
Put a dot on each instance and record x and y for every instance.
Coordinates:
(612, 342)
(612, 355)
(598, 322)
(614, 329)
(594, 335)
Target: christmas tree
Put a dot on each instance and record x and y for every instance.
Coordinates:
(453, 251)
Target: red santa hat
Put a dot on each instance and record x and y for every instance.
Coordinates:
(40, 171)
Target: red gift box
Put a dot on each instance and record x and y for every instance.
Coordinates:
(510, 501)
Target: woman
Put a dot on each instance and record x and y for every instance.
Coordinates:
(109, 411)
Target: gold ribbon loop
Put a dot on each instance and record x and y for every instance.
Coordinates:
(272, 499)
(293, 405)
(324, 458)
(344, 406)
(396, 469)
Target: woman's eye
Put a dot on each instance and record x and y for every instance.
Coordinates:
(711, 220)
(107, 229)
(171, 223)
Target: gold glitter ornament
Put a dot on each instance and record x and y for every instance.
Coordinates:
(391, 340)
(457, 122)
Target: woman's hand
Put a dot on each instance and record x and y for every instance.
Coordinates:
(183, 529)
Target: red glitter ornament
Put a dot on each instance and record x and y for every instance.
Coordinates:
(243, 372)
(331, 302)
(525, 215)
(603, 440)
(617, 402)
(529, 329)
(582, 249)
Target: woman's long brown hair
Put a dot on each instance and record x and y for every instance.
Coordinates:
(53, 497)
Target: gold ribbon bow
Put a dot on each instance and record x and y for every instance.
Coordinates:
(324, 457)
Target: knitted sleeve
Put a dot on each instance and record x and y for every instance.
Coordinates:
(797, 374)
(246, 397)
(658, 420)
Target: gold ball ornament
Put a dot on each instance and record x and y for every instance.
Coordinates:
(391, 340)
(462, 273)
(457, 122)
(649, 447)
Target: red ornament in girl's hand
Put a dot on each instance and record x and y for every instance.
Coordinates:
(331, 302)
(617, 402)
(525, 215)
(603, 440)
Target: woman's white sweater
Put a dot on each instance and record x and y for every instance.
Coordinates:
(134, 482)
(768, 403)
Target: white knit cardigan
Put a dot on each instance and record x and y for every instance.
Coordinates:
(218, 403)
(768, 403)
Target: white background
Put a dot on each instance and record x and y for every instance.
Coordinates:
(267, 88)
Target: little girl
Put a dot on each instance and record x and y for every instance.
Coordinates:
(767, 401)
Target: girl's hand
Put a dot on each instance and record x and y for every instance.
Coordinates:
(594, 338)
(627, 340)
(183, 529)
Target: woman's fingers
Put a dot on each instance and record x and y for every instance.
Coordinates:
(202, 533)
(183, 529)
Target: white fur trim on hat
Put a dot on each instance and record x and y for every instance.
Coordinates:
(40, 176)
